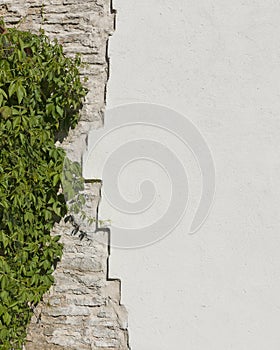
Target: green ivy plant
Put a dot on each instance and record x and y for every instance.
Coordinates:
(41, 94)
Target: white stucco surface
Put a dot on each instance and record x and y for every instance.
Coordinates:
(218, 63)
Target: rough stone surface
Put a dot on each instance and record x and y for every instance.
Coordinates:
(82, 310)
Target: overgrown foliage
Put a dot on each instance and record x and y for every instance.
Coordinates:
(40, 98)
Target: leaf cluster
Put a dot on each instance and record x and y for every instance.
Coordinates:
(40, 97)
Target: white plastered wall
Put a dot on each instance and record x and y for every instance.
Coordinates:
(218, 63)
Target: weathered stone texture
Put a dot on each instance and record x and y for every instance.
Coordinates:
(82, 310)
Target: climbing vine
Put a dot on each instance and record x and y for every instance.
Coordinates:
(40, 97)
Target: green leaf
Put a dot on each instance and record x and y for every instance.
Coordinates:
(3, 93)
(12, 89)
(59, 110)
(56, 179)
(20, 93)
(5, 112)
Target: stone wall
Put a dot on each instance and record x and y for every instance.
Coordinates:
(82, 310)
